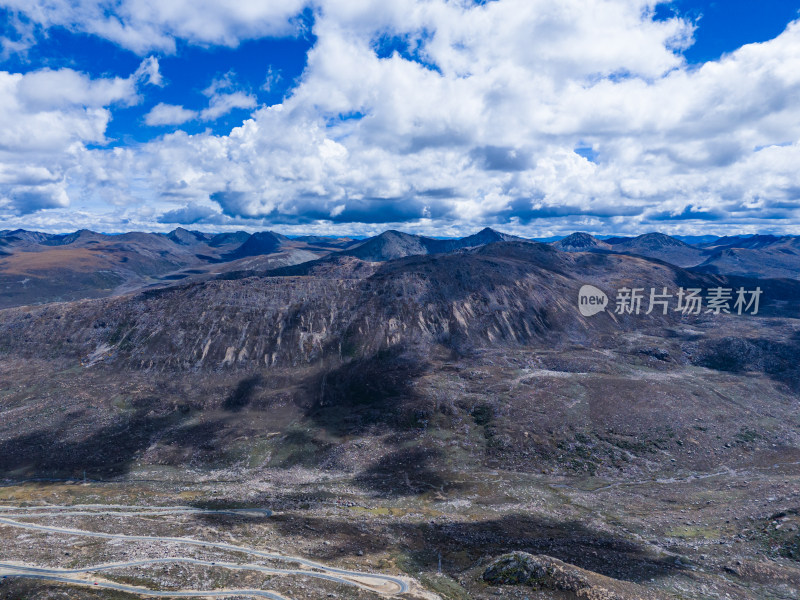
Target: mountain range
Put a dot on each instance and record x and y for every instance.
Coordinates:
(352, 347)
(39, 267)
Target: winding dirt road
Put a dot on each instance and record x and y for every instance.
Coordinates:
(9, 517)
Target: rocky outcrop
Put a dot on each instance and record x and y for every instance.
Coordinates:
(547, 573)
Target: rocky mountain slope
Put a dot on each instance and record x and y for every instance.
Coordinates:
(759, 256)
(509, 293)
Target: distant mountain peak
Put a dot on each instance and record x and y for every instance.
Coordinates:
(662, 247)
(80, 236)
(487, 235)
(490, 231)
(581, 242)
(179, 235)
(394, 244)
(261, 242)
(655, 240)
(397, 233)
(228, 239)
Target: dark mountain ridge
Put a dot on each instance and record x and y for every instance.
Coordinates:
(744, 241)
(392, 244)
(187, 237)
(263, 242)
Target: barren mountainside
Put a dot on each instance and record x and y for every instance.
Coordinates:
(507, 293)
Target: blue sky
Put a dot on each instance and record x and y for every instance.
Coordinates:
(329, 116)
(187, 72)
(726, 25)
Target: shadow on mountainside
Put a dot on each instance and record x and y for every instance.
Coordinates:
(406, 472)
(462, 544)
(369, 392)
(776, 359)
(108, 451)
(243, 394)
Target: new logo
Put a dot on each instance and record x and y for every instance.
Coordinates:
(591, 300)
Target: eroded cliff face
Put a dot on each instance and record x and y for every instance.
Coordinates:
(506, 294)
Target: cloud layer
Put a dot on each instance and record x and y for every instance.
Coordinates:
(47, 118)
(145, 26)
(438, 116)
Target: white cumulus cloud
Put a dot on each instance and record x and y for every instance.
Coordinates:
(441, 116)
(47, 118)
(155, 25)
(169, 114)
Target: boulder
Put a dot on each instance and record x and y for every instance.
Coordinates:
(547, 573)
